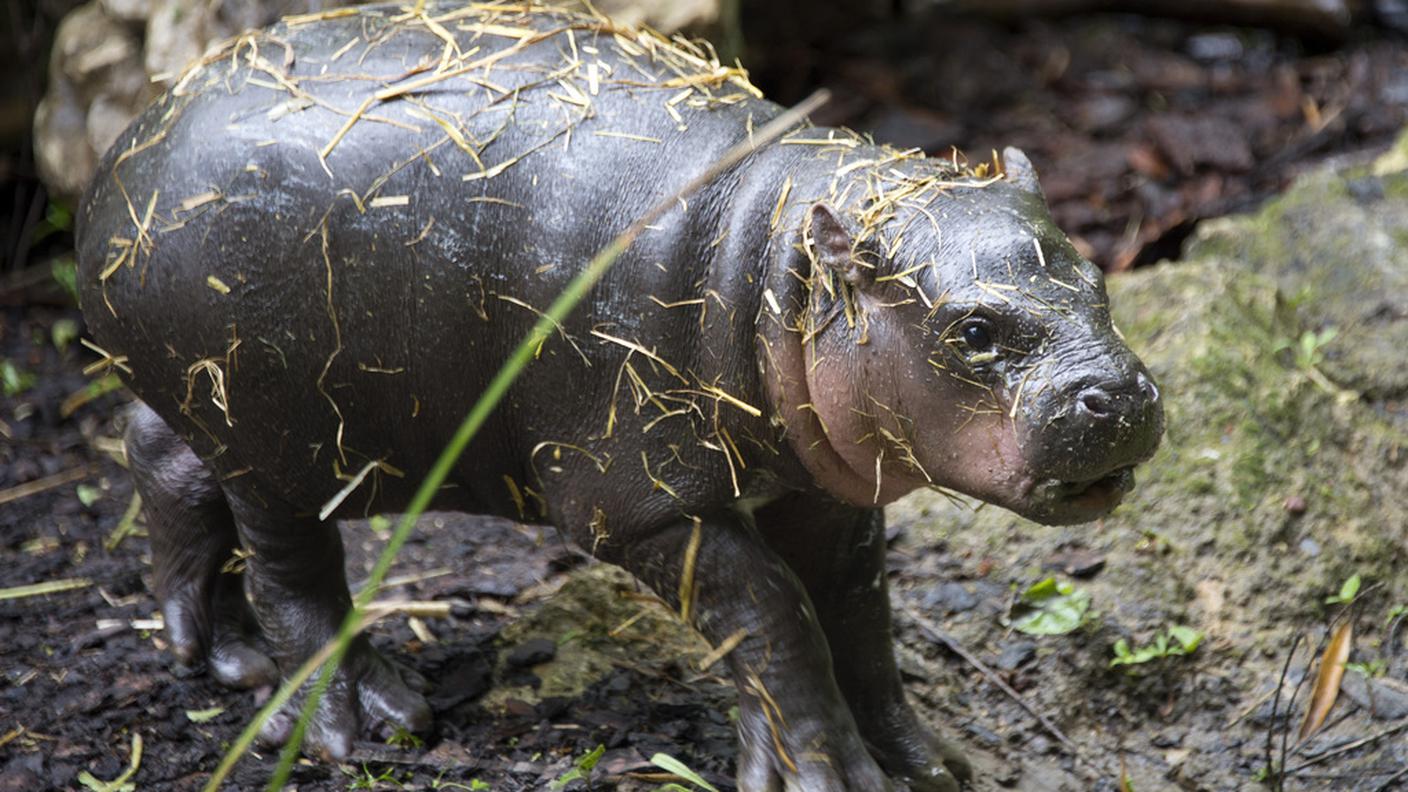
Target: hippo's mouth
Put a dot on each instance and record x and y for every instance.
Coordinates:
(1079, 501)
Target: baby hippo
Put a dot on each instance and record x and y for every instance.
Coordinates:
(313, 253)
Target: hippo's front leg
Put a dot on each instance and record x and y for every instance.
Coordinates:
(839, 553)
(298, 589)
(795, 731)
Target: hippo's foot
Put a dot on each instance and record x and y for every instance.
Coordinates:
(210, 620)
(919, 758)
(368, 693)
(803, 755)
(193, 539)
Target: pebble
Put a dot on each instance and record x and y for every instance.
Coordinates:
(950, 598)
(531, 653)
(1015, 654)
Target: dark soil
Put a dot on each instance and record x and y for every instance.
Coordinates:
(1140, 127)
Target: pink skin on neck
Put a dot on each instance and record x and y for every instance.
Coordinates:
(825, 410)
(827, 407)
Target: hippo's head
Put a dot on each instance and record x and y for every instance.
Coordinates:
(955, 338)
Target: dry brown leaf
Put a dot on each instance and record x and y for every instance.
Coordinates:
(1327, 682)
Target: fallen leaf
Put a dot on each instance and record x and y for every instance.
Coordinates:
(1327, 682)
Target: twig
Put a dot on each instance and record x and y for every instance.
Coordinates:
(939, 636)
(125, 525)
(1393, 779)
(47, 587)
(37, 486)
(1350, 746)
(1277, 776)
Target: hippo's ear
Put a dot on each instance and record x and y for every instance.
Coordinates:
(834, 247)
(1019, 170)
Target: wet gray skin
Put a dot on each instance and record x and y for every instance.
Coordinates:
(307, 285)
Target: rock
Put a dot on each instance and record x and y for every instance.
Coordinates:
(1385, 698)
(1334, 246)
(1320, 18)
(1207, 141)
(1077, 562)
(577, 622)
(531, 653)
(1015, 654)
(62, 153)
(948, 598)
(128, 10)
(107, 117)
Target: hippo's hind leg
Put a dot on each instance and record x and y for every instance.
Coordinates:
(193, 540)
(839, 553)
(299, 592)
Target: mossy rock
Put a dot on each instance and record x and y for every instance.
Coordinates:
(1337, 247)
(599, 620)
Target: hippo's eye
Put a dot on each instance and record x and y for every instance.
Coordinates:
(976, 335)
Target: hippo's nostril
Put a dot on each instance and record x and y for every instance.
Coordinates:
(1096, 401)
(1147, 387)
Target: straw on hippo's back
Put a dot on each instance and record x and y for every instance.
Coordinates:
(314, 253)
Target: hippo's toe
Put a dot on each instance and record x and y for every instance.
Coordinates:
(805, 755)
(925, 762)
(209, 620)
(366, 692)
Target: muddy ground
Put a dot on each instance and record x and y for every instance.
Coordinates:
(1140, 127)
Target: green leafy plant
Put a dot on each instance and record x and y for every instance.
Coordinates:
(1348, 591)
(63, 333)
(475, 785)
(202, 716)
(366, 780)
(672, 765)
(403, 738)
(582, 769)
(1178, 641)
(1053, 608)
(14, 380)
(65, 272)
(57, 218)
(88, 495)
(1308, 349)
(1370, 669)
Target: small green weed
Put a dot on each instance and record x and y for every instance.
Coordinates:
(581, 770)
(402, 738)
(15, 380)
(475, 785)
(1053, 608)
(367, 780)
(1371, 669)
(672, 765)
(1307, 352)
(1178, 641)
(65, 273)
(1348, 591)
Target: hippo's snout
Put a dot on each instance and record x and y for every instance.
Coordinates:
(1118, 401)
(1093, 435)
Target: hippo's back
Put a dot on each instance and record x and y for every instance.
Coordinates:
(316, 211)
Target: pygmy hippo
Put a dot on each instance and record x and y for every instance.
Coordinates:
(311, 255)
